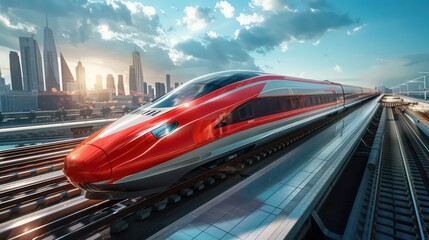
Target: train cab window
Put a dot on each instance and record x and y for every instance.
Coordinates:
(201, 86)
(246, 112)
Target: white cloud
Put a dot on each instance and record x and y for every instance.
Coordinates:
(264, 4)
(113, 3)
(225, 8)
(137, 7)
(212, 35)
(355, 30)
(314, 10)
(283, 46)
(19, 26)
(271, 5)
(196, 18)
(107, 34)
(245, 20)
(337, 68)
(316, 43)
(178, 57)
(236, 33)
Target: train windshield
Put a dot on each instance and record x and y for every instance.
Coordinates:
(201, 86)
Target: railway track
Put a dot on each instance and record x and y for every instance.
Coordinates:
(29, 151)
(30, 161)
(401, 206)
(77, 217)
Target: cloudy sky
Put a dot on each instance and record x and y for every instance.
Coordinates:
(364, 42)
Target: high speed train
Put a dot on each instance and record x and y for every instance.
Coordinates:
(209, 118)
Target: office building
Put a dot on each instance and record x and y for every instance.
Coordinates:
(138, 72)
(160, 89)
(68, 82)
(15, 71)
(50, 60)
(3, 87)
(110, 84)
(18, 101)
(80, 77)
(132, 81)
(121, 89)
(168, 82)
(31, 60)
(98, 82)
(176, 85)
(151, 92)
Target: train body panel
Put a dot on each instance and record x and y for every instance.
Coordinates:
(205, 119)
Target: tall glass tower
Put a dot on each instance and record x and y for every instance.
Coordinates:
(138, 73)
(31, 65)
(15, 71)
(132, 81)
(50, 60)
(69, 84)
(80, 77)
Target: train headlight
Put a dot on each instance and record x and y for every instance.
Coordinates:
(165, 129)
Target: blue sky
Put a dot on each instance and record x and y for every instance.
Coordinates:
(365, 43)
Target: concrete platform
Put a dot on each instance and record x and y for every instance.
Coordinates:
(421, 122)
(275, 202)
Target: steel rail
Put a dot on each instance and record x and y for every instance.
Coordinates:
(410, 185)
(415, 134)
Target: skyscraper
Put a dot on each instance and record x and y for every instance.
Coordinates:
(160, 89)
(121, 89)
(68, 80)
(31, 65)
(110, 83)
(3, 86)
(151, 92)
(15, 71)
(132, 81)
(50, 60)
(98, 82)
(167, 81)
(80, 77)
(145, 87)
(138, 73)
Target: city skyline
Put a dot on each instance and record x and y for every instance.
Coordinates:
(349, 42)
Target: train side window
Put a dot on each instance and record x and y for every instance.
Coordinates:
(307, 101)
(288, 105)
(246, 111)
(295, 103)
(274, 106)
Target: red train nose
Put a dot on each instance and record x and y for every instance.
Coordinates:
(87, 164)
